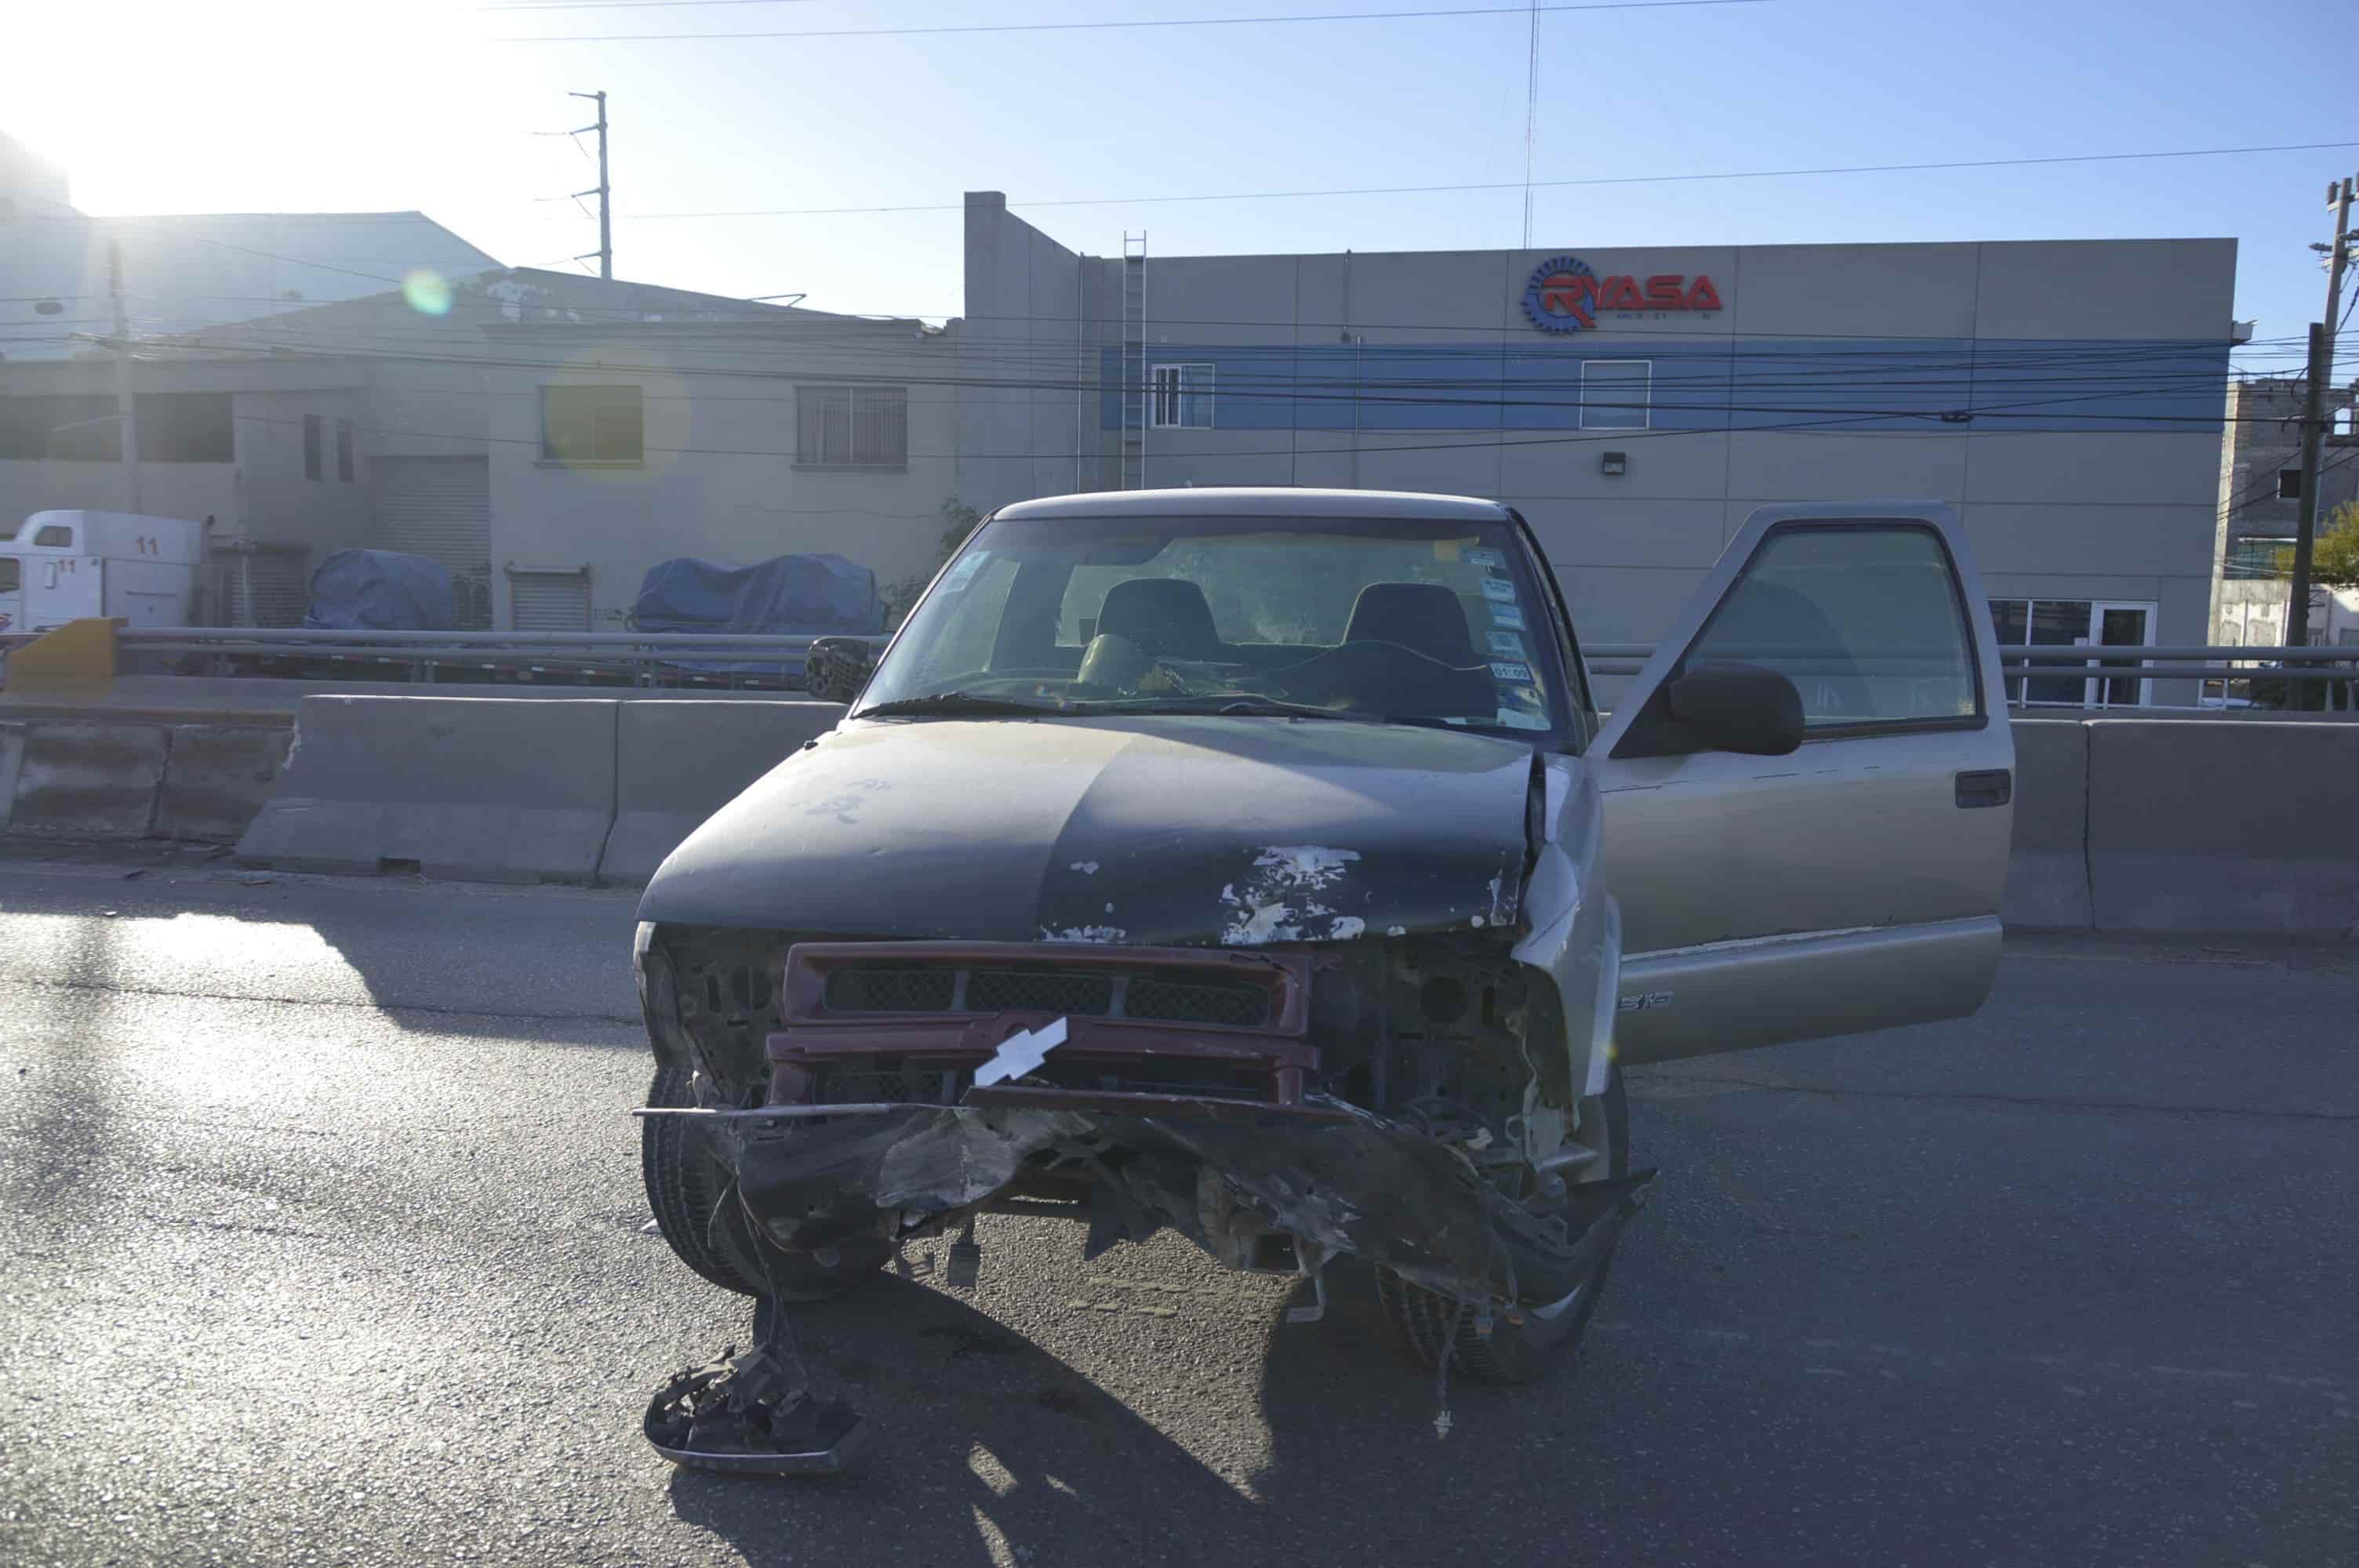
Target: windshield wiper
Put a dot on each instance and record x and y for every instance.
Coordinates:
(1245, 704)
(1250, 705)
(955, 704)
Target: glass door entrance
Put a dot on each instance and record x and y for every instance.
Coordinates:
(2077, 623)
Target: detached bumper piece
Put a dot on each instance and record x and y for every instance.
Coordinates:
(745, 1420)
(753, 1414)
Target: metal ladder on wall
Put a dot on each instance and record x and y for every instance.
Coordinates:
(1134, 361)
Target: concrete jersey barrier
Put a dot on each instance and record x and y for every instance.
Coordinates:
(217, 777)
(85, 780)
(2154, 825)
(479, 789)
(2047, 869)
(72, 778)
(679, 763)
(2223, 828)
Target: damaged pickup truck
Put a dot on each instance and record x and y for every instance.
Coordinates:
(1258, 864)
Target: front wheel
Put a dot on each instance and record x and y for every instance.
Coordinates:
(1431, 1324)
(696, 1210)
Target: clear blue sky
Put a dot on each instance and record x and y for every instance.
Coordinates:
(279, 105)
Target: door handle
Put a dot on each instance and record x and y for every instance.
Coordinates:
(1985, 787)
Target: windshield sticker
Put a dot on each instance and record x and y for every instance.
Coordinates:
(1498, 588)
(1507, 646)
(962, 573)
(1507, 615)
(1490, 558)
(1512, 674)
(1521, 719)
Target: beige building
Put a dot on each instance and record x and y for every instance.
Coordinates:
(545, 436)
(1635, 405)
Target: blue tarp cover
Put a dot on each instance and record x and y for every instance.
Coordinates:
(822, 595)
(380, 591)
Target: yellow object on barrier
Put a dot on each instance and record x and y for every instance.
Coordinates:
(77, 658)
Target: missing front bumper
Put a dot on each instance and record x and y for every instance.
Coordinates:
(1335, 1179)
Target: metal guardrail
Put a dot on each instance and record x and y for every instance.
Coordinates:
(646, 657)
(2197, 662)
(297, 637)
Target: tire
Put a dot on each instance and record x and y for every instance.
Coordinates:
(686, 1190)
(1512, 1352)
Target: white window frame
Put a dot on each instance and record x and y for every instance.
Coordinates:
(2093, 688)
(1645, 411)
(1184, 390)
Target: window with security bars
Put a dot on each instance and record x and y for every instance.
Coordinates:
(592, 423)
(1181, 398)
(852, 426)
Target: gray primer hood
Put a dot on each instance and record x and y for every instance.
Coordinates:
(1177, 830)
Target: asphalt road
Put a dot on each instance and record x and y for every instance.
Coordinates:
(322, 1239)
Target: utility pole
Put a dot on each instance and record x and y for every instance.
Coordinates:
(126, 415)
(2313, 423)
(606, 191)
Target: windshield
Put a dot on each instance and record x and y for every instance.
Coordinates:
(1415, 622)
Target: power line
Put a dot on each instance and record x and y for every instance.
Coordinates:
(2045, 405)
(1706, 359)
(270, 331)
(1953, 381)
(1713, 362)
(2264, 488)
(809, 328)
(1109, 26)
(1517, 185)
(1460, 397)
(1585, 438)
(1714, 366)
(637, 313)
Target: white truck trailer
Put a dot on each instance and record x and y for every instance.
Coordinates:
(57, 567)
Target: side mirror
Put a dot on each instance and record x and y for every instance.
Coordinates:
(1738, 707)
(836, 668)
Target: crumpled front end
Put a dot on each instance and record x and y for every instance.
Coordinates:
(1402, 1099)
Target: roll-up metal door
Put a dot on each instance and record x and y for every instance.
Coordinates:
(548, 599)
(441, 508)
(263, 585)
(278, 586)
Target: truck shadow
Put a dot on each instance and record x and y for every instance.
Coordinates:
(1350, 1416)
(989, 1450)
